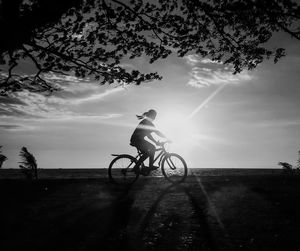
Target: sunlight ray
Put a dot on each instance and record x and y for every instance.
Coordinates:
(214, 211)
(205, 102)
(211, 206)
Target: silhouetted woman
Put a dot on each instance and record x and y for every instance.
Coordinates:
(144, 131)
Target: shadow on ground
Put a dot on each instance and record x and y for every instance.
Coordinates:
(214, 213)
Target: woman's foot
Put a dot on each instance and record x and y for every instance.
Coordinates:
(154, 167)
(151, 168)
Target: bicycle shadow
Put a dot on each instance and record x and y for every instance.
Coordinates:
(127, 228)
(123, 222)
(137, 237)
(117, 235)
(93, 224)
(206, 233)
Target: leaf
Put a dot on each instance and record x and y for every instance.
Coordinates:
(78, 36)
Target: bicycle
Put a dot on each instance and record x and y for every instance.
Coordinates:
(125, 169)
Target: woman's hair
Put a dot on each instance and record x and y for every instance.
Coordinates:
(149, 114)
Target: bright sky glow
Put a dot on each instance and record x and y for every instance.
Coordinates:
(182, 132)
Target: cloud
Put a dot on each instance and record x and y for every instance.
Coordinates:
(10, 123)
(82, 93)
(10, 100)
(278, 123)
(194, 59)
(63, 105)
(7, 110)
(201, 77)
(76, 91)
(209, 61)
(38, 106)
(33, 105)
(97, 96)
(58, 78)
(205, 72)
(84, 117)
(8, 127)
(16, 126)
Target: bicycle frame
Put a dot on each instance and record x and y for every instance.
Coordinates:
(160, 156)
(135, 166)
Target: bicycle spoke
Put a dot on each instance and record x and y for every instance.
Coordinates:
(121, 170)
(174, 168)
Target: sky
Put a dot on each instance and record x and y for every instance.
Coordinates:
(215, 119)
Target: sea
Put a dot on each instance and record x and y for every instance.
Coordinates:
(94, 173)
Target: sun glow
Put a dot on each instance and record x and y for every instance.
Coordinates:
(180, 130)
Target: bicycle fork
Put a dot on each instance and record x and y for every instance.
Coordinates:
(170, 163)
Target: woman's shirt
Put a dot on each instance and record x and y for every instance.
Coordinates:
(145, 128)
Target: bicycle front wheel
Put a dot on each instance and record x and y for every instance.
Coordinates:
(120, 170)
(174, 168)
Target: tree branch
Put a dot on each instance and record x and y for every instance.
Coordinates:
(220, 30)
(151, 25)
(293, 34)
(11, 67)
(77, 62)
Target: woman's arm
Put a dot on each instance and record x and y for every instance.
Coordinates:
(152, 138)
(160, 134)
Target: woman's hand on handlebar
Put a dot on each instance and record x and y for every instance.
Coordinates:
(161, 143)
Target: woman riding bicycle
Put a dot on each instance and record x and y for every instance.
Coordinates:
(144, 131)
(124, 169)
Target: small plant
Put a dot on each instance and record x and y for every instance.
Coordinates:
(2, 157)
(287, 168)
(28, 164)
(298, 162)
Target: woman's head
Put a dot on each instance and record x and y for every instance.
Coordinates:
(151, 114)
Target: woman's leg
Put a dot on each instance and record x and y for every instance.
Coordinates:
(148, 150)
(151, 152)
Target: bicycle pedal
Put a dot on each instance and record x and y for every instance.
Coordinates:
(135, 170)
(145, 170)
(154, 168)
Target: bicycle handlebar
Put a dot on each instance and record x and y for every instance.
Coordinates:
(162, 145)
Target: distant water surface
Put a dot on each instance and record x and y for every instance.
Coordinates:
(102, 173)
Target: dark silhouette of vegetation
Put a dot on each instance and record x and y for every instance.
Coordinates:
(287, 168)
(2, 157)
(92, 37)
(298, 161)
(28, 164)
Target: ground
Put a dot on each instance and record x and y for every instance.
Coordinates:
(245, 212)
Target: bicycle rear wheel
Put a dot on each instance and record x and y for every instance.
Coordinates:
(120, 170)
(174, 168)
